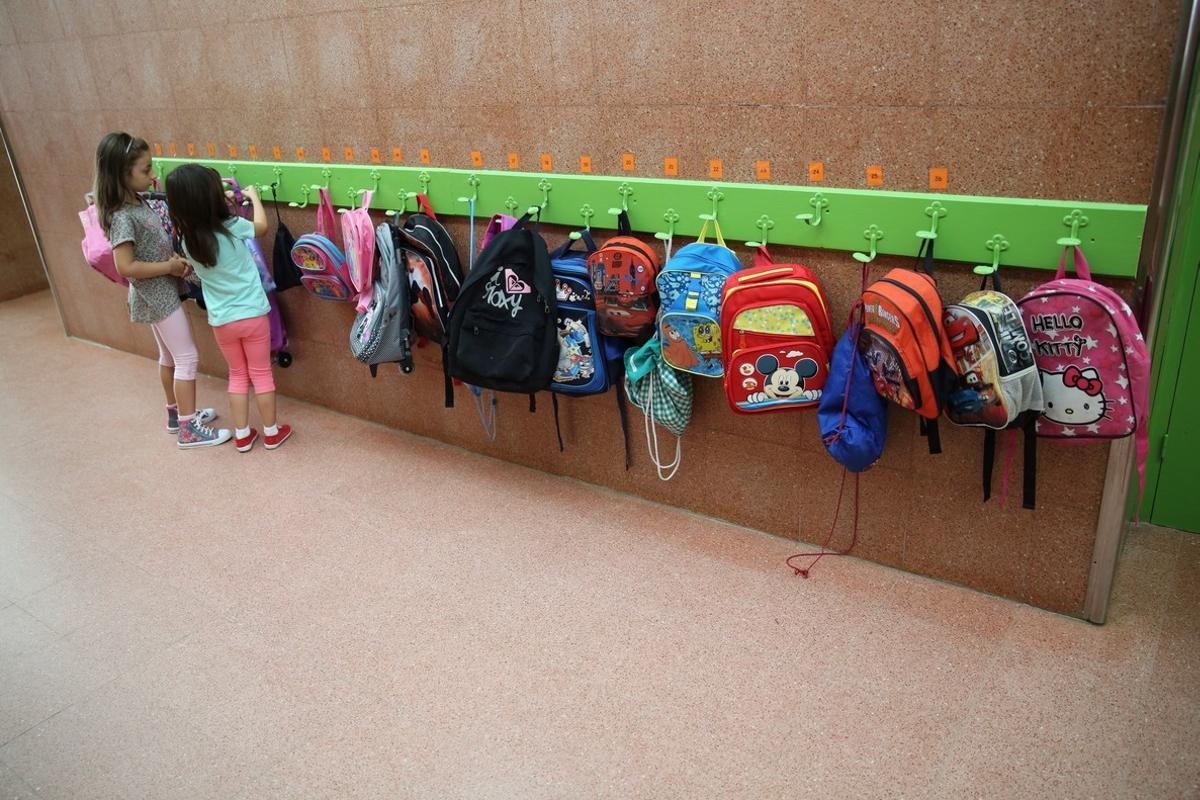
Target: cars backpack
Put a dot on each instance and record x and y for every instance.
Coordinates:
(689, 317)
(623, 274)
(382, 334)
(358, 234)
(776, 337)
(1093, 360)
(998, 385)
(904, 342)
(323, 269)
(501, 333)
(435, 276)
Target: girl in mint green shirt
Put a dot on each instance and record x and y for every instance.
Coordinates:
(214, 241)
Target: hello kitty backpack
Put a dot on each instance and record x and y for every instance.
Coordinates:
(1093, 361)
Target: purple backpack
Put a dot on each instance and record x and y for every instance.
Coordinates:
(1093, 361)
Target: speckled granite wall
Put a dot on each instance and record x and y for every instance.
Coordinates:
(20, 269)
(1050, 99)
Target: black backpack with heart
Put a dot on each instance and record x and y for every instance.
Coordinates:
(502, 332)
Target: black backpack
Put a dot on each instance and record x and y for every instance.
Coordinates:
(502, 332)
(435, 275)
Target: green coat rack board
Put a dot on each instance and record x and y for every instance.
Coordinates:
(976, 230)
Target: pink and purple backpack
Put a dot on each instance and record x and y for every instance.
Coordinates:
(1093, 361)
(323, 269)
(358, 235)
(97, 252)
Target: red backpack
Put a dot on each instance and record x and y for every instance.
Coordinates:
(623, 272)
(776, 337)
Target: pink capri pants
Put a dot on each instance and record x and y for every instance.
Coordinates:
(246, 345)
(176, 347)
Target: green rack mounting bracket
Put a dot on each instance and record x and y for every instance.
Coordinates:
(825, 218)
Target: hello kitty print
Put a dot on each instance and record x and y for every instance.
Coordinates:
(1091, 356)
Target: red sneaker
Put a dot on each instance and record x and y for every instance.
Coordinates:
(244, 445)
(271, 442)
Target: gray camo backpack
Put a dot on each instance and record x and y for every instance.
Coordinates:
(383, 333)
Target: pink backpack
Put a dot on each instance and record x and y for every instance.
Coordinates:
(96, 249)
(323, 269)
(498, 224)
(358, 235)
(1093, 361)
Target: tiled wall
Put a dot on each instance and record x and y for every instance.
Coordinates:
(1020, 97)
(20, 269)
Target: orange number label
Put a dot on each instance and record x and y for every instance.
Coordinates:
(939, 177)
(424, 155)
(671, 167)
(762, 170)
(253, 151)
(716, 169)
(875, 175)
(547, 163)
(171, 149)
(476, 158)
(211, 149)
(585, 164)
(816, 171)
(277, 153)
(326, 155)
(191, 148)
(157, 149)
(513, 161)
(375, 157)
(397, 155)
(628, 162)
(348, 152)
(299, 153)
(232, 150)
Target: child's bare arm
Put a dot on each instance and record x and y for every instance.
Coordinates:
(260, 214)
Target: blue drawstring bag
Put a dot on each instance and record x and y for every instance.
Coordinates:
(852, 415)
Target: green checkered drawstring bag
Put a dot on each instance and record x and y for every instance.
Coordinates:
(664, 397)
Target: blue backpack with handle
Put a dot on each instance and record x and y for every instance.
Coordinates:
(852, 415)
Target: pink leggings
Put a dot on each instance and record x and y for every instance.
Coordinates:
(246, 345)
(176, 347)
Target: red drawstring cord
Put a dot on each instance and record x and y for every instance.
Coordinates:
(825, 551)
(857, 308)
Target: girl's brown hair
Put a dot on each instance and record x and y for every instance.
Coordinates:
(196, 199)
(115, 156)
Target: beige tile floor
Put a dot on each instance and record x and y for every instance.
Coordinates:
(368, 614)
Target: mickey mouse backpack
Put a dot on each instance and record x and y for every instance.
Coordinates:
(689, 319)
(1093, 360)
(776, 337)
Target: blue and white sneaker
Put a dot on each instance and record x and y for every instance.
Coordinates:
(195, 434)
(205, 415)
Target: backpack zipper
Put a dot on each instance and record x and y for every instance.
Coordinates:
(808, 284)
(627, 246)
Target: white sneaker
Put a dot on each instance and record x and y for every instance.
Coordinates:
(205, 415)
(195, 434)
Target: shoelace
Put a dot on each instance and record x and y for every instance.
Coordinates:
(203, 430)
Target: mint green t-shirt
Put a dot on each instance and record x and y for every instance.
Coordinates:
(232, 288)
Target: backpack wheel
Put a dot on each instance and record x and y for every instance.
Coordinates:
(284, 359)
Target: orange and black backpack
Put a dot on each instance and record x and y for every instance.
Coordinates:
(905, 345)
(622, 274)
